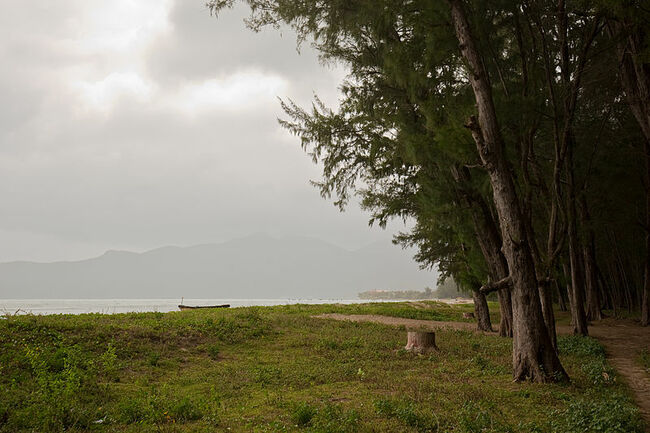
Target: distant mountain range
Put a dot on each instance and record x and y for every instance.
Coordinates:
(258, 266)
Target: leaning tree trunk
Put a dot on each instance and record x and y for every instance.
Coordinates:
(481, 310)
(489, 239)
(533, 354)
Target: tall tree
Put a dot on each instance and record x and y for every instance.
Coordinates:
(628, 25)
(533, 353)
(372, 39)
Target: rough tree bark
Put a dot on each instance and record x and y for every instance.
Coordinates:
(544, 283)
(546, 300)
(505, 305)
(534, 357)
(481, 310)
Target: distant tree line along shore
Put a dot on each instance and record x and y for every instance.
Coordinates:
(447, 289)
(397, 294)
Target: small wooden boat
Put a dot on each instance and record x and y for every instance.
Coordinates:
(194, 307)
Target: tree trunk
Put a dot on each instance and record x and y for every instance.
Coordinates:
(489, 239)
(505, 308)
(591, 284)
(568, 290)
(560, 297)
(634, 71)
(533, 354)
(589, 258)
(645, 301)
(482, 312)
(547, 310)
(577, 281)
(578, 316)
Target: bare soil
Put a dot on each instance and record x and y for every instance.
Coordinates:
(623, 341)
(399, 321)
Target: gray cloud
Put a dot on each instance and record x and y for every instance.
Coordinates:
(155, 129)
(202, 46)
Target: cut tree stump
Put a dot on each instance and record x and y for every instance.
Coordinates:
(421, 341)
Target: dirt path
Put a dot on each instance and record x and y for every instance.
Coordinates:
(398, 321)
(623, 341)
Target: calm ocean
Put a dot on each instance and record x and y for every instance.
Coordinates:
(111, 306)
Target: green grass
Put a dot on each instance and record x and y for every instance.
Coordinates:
(644, 359)
(278, 369)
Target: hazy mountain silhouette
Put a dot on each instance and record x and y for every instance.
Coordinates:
(257, 266)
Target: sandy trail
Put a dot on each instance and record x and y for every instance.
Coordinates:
(623, 341)
(398, 321)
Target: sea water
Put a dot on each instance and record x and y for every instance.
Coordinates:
(112, 306)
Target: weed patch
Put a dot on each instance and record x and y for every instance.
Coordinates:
(408, 414)
(611, 414)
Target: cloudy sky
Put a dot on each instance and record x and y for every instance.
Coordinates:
(132, 124)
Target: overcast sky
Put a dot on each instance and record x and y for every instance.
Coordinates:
(131, 125)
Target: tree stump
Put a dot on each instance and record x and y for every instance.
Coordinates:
(468, 315)
(421, 341)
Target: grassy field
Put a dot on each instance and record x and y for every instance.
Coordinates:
(267, 369)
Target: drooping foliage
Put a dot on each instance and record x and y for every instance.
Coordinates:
(508, 132)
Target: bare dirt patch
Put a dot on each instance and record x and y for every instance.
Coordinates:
(420, 305)
(399, 321)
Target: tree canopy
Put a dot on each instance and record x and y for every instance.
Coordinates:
(515, 135)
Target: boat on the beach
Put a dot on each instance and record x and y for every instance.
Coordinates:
(194, 307)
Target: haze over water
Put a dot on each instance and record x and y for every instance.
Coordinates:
(113, 306)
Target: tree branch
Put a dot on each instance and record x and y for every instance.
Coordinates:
(504, 283)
